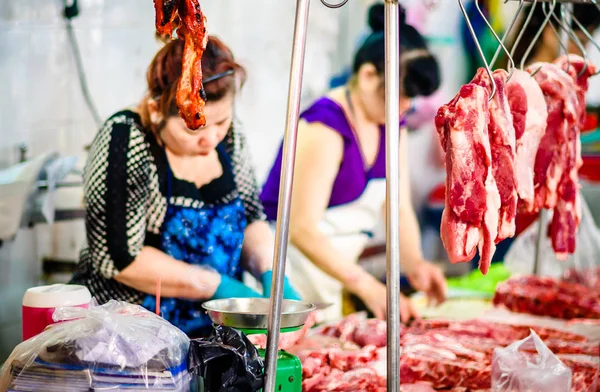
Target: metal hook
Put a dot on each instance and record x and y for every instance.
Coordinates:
(479, 49)
(560, 41)
(537, 36)
(506, 34)
(569, 30)
(498, 39)
(588, 35)
(522, 32)
(577, 41)
(330, 5)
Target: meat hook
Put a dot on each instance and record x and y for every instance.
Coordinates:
(506, 34)
(560, 41)
(537, 36)
(501, 41)
(568, 28)
(589, 36)
(522, 32)
(332, 5)
(478, 45)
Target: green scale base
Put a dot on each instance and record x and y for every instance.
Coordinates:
(289, 372)
(289, 367)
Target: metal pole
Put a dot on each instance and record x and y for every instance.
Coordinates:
(566, 13)
(539, 243)
(285, 191)
(392, 142)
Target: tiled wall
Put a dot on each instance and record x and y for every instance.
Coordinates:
(41, 103)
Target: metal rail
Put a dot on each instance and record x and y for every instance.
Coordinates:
(392, 142)
(561, 1)
(285, 191)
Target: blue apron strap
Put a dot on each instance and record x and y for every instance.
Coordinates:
(221, 150)
(169, 183)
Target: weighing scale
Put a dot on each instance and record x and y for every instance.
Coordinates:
(250, 316)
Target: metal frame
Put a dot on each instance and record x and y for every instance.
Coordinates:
(392, 121)
(392, 117)
(562, 1)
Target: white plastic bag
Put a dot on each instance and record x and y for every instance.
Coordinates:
(115, 346)
(529, 366)
(582, 266)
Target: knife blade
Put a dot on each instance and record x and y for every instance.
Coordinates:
(321, 305)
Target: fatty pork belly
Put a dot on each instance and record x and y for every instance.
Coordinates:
(560, 94)
(501, 133)
(470, 218)
(567, 212)
(528, 108)
(559, 156)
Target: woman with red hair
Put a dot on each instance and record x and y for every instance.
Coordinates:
(166, 203)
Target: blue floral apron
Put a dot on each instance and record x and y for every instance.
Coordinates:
(211, 236)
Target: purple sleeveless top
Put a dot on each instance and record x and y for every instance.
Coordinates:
(353, 175)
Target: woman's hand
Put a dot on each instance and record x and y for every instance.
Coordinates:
(407, 310)
(428, 278)
(374, 296)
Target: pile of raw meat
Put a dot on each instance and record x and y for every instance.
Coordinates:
(436, 354)
(545, 296)
(519, 151)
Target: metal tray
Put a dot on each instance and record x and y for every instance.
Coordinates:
(253, 313)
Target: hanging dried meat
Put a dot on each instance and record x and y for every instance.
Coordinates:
(191, 29)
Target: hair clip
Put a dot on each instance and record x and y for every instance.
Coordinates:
(218, 76)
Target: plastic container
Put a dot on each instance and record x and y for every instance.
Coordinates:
(40, 302)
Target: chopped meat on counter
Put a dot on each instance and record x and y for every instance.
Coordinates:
(286, 339)
(544, 296)
(358, 329)
(440, 354)
(470, 219)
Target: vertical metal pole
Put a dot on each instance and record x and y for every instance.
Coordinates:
(285, 190)
(566, 12)
(540, 242)
(392, 142)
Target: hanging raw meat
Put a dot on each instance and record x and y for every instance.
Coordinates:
(530, 114)
(470, 218)
(502, 144)
(190, 95)
(567, 213)
(560, 93)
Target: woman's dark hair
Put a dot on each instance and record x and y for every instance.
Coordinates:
(420, 73)
(587, 14)
(165, 70)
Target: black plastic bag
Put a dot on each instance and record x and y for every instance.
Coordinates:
(226, 361)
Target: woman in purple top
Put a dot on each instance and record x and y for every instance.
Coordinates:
(339, 181)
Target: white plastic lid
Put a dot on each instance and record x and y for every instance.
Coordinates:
(56, 295)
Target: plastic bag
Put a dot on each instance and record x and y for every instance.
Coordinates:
(226, 361)
(582, 266)
(115, 346)
(528, 365)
